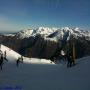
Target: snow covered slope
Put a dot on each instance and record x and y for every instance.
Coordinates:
(12, 56)
(46, 77)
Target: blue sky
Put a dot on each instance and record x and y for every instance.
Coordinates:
(19, 14)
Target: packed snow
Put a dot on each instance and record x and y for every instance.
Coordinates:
(44, 76)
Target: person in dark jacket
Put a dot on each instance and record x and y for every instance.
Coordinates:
(20, 59)
(17, 62)
(5, 55)
(1, 61)
(70, 61)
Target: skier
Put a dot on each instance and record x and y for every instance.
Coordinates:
(73, 62)
(20, 59)
(5, 55)
(69, 59)
(17, 62)
(1, 61)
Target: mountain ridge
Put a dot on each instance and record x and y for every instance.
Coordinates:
(47, 43)
(59, 33)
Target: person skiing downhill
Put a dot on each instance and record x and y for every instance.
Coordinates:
(17, 62)
(5, 55)
(20, 59)
(1, 61)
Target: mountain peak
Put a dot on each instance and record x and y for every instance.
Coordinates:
(65, 28)
(76, 29)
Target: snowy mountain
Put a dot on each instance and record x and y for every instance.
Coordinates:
(66, 32)
(59, 33)
(45, 31)
(41, 30)
(43, 76)
(25, 33)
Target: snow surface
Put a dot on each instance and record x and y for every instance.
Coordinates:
(44, 76)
